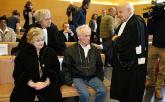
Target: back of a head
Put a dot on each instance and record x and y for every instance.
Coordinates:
(41, 14)
(15, 13)
(84, 2)
(112, 9)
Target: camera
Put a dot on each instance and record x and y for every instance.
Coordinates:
(155, 11)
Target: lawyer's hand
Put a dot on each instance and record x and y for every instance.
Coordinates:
(114, 37)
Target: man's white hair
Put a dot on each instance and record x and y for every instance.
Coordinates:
(41, 14)
(80, 30)
(130, 6)
(127, 5)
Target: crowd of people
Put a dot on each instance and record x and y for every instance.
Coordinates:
(118, 33)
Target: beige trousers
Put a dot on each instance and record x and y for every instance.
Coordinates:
(153, 55)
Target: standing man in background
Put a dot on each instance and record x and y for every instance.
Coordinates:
(106, 33)
(80, 17)
(157, 50)
(112, 12)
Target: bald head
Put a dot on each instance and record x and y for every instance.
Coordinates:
(124, 10)
(104, 12)
(112, 11)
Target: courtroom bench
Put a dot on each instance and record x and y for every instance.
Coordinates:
(67, 91)
(6, 80)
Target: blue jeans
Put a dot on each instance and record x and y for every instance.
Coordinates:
(82, 87)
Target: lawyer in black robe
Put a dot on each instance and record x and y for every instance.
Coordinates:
(128, 75)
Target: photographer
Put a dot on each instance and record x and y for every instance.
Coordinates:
(157, 50)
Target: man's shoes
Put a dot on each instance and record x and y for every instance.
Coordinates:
(159, 94)
(149, 83)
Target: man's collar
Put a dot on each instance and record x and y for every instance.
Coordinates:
(129, 17)
(87, 46)
(6, 30)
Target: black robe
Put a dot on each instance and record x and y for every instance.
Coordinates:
(128, 77)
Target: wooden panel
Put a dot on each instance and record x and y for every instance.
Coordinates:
(58, 9)
(10, 45)
(6, 69)
(69, 43)
(5, 90)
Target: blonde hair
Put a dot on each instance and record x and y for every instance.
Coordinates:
(80, 30)
(41, 14)
(34, 32)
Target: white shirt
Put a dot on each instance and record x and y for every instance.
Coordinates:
(95, 25)
(6, 30)
(123, 25)
(2, 33)
(45, 35)
(66, 35)
(86, 49)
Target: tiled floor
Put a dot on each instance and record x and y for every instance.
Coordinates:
(149, 95)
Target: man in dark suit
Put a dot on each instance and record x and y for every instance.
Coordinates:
(67, 34)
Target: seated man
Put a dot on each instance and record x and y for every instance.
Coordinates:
(6, 34)
(82, 66)
(67, 34)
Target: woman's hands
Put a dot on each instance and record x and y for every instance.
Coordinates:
(39, 85)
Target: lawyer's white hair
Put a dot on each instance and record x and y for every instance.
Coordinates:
(127, 5)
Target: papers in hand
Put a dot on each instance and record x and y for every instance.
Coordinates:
(141, 60)
(139, 49)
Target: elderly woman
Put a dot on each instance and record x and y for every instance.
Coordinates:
(52, 38)
(36, 71)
